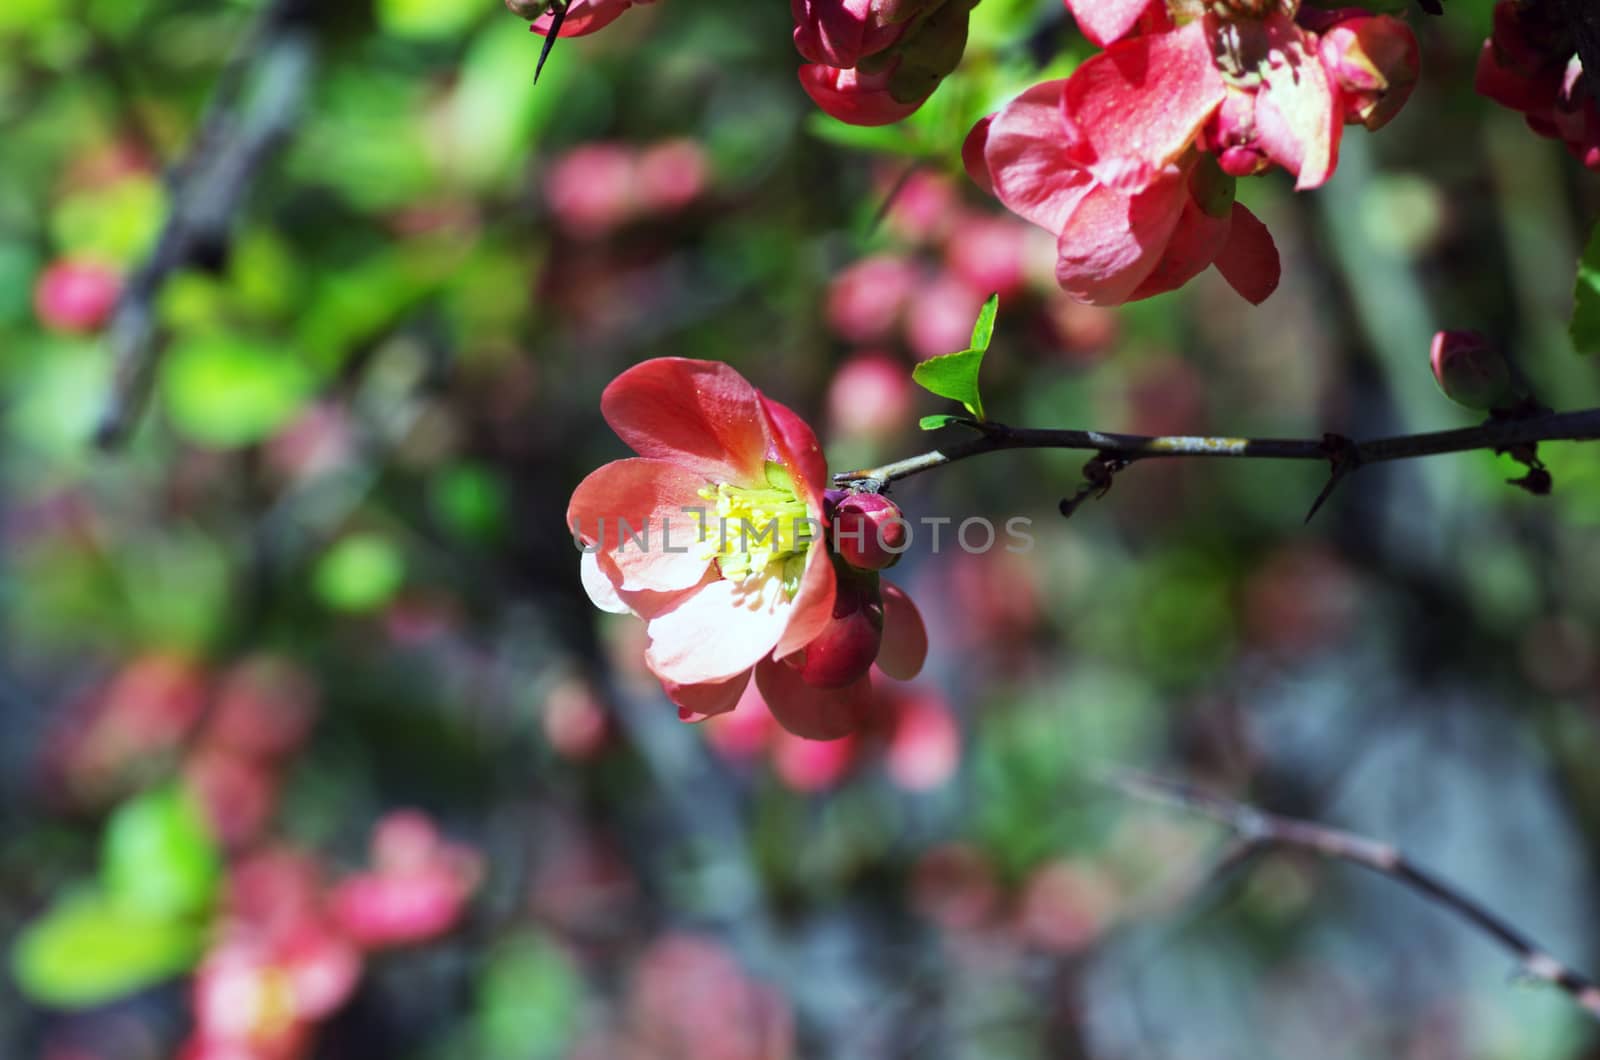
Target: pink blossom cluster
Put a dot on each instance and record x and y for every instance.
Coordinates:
(923, 291)
(1530, 64)
(290, 947)
(1131, 162)
(230, 734)
(598, 187)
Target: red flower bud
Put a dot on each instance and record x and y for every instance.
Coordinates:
(869, 532)
(1471, 371)
(847, 645)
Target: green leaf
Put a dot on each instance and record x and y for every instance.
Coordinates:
(528, 1000)
(158, 857)
(933, 423)
(983, 330)
(955, 375)
(225, 391)
(1586, 298)
(88, 950)
(360, 573)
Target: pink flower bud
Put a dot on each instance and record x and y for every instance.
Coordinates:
(854, 96)
(1471, 371)
(989, 253)
(868, 531)
(847, 646)
(591, 189)
(809, 766)
(870, 397)
(1374, 61)
(76, 296)
(865, 300)
(843, 32)
(671, 175)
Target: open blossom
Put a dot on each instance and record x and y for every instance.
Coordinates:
(716, 535)
(1530, 64)
(1131, 160)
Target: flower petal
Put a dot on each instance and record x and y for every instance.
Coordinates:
(813, 602)
(721, 628)
(1249, 260)
(794, 444)
(1025, 150)
(1298, 113)
(905, 638)
(1135, 108)
(813, 713)
(635, 511)
(602, 592)
(1195, 243)
(974, 155)
(854, 97)
(1112, 242)
(1105, 21)
(702, 415)
(583, 17)
(699, 702)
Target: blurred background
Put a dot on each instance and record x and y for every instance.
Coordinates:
(315, 747)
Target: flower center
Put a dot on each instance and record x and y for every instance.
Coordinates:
(1255, 9)
(756, 532)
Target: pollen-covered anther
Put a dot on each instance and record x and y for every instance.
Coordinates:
(753, 532)
(1231, 9)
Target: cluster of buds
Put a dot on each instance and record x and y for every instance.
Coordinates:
(1530, 64)
(874, 62)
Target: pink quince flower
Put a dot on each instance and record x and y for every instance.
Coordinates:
(1112, 159)
(585, 16)
(1158, 212)
(715, 535)
(416, 891)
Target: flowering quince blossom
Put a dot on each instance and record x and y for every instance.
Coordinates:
(1529, 64)
(715, 535)
(1131, 161)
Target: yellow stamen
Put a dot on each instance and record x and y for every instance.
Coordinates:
(755, 532)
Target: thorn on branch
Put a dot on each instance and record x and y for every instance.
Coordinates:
(1344, 456)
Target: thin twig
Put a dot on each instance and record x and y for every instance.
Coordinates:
(1261, 829)
(206, 189)
(1496, 434)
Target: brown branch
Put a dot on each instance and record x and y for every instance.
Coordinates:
(1262, 830)
(236, 139)
(1495, 434)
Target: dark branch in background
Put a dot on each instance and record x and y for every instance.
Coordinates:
(255, 106)
(1517, 435)
(1261, 831)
